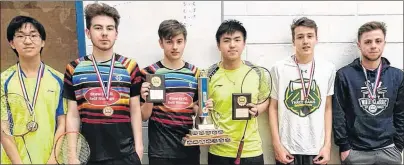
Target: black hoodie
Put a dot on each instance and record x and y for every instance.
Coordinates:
(361, 124)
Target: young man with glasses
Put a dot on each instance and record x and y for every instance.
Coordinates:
(42, 85)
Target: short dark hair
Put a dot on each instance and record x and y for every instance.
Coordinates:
(229, 27)
(303, 21)
(171, 28)
(96, 9)
(17, 22)
(370, 26)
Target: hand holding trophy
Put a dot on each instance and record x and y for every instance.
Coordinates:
(207, 132)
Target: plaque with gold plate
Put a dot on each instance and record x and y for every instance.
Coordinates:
(206, 133)
(240, 110)
(157, 88)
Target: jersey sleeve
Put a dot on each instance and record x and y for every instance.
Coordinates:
(68, 88)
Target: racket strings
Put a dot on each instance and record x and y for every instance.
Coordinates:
(16, 114)
(265, 85)
(64, 154)
(83, 150)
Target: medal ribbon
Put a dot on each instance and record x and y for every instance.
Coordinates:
(305, 92)
(37, 85)
(372, 93)
(104, 90)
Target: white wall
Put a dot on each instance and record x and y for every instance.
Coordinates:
(138, 38)
(269, 35)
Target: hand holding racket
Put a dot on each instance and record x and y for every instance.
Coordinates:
(17, 117)
(72, 148)
(263, 82)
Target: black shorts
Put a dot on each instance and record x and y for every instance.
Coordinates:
(130, 159)
(219, 160)
(174, 161)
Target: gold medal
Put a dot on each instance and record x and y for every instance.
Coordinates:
(108, 111)
(32, 126)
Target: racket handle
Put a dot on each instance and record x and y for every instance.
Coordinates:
(237, 161)
(240, 150)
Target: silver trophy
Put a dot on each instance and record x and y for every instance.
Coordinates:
(206, 133)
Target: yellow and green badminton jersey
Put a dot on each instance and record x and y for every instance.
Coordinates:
(49, 106)
(221, 86)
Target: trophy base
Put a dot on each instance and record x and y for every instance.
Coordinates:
(205, 140)
(205, 132)
(206, 126)
(200, 137)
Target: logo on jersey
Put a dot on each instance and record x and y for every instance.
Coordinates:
(118, 77)
(294, 98)
(377, 105)
(95, 96)
(178, 100)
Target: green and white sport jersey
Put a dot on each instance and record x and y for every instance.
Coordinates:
(302, 130)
